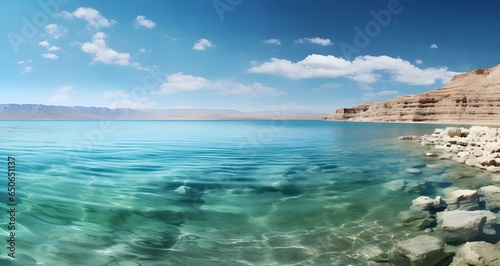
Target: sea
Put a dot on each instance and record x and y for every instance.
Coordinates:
(277, 192)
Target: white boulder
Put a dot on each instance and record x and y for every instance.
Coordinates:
(477, 253)
(491, 196)
(460, 225)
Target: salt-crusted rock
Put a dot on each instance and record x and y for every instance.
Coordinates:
(491, 147)
(478, 130)
(422, 203)
(438, 131)
(479, 146)
(418, 251)
(461, 195)
(463, 199)
(488, 160)
(426, 203)
(462, 225)
(477, 253)
(491, 196)
(453, 132)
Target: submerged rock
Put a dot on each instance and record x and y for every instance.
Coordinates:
(396, 185)
(418, 251)
(408, 137)
(463, 199)
(417, 218)
(186, 191)
(413, 170)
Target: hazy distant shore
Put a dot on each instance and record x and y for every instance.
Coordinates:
(51, 112)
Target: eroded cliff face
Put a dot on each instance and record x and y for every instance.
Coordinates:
(469, 97)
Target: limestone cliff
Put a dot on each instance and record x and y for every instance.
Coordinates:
(470, 98)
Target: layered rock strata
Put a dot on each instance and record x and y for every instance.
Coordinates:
(472, 97)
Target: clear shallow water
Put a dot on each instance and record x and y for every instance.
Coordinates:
(262, 192)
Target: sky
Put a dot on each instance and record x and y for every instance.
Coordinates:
(250, 55)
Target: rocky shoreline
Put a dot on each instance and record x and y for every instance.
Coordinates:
(461, 228)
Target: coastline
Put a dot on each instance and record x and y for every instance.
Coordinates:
(460, 228)
(443, 122)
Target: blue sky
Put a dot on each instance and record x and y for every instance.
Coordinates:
(248, 55)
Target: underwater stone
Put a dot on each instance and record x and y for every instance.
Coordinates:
(418, 251)
(185, 191)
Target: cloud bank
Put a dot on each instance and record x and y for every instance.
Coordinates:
(362, 69)
(180, 83)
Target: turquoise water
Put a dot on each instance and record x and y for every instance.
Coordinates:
(256, 192)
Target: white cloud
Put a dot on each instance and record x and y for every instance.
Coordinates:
(418, 62)
(52, 48)
(92, 16)
(203, 44)
(25, 70)
(101, 53)
(44, 43)
(361, 69)
(50, 56)
(144, 22)
(62, 95)
(370, 95)
(272, 41)
(64, 14)
(56, 31)
(179, 82)
(434, 46)
(24, 62)
(143, 50)
(319, 41)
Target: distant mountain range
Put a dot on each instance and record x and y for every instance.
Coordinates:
(51, 112)
(472, 97)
